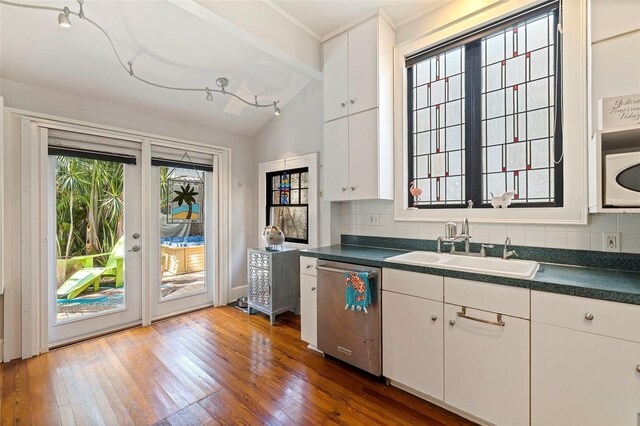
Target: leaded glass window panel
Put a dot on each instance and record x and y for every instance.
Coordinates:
(482, 116)
(288, 203)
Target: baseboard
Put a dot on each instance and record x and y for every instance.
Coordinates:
(237, 292)
(439, 403)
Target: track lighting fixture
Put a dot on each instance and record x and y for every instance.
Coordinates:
(63, 18)
(221, 82)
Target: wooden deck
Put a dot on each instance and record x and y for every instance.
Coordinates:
(216, 366)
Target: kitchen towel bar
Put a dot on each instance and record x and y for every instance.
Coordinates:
(342, 271)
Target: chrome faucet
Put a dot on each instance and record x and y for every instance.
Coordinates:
(439, 245)
(506, 253)
(465, 234)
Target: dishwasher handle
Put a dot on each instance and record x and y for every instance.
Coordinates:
(344, 271)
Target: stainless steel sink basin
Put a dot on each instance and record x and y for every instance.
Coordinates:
(524, 269)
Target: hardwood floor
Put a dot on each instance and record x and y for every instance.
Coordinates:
(216, 366)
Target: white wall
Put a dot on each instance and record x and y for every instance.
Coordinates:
(297, 131)
(18, 95)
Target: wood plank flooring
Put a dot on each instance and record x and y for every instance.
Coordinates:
(216, 366)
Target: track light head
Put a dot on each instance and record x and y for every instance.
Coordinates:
(209, 95)
(276, 110)
(63, 18)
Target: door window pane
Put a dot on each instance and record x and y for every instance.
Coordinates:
(90, 250)
(182, 242)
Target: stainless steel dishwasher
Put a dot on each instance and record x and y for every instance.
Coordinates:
(354, 337)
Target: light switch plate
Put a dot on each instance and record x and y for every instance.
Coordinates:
(611, 241)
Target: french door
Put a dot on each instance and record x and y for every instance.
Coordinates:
(182, 241)
(95, 239)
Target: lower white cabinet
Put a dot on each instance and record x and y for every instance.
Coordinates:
(583, 379)
(308, 301)
(413, 342)
(487, 365)
(585, 361)
(309, 309)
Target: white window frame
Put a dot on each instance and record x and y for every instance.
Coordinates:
(307, 160)
(575, 134)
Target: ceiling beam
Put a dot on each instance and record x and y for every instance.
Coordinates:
(251, 38)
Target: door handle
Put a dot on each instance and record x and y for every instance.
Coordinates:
(135, 249)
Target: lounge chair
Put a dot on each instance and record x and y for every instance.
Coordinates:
(90, 275)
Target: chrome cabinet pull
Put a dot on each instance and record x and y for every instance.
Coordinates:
(344, 188)
(313, 289)
(343, 104)
(463, 314)
(638, 368)
(434, 317)
(588, 316)
(353, 101)
(353, 188)
(452, 322)
(308, 266)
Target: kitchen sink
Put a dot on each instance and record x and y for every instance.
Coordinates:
(524, 269)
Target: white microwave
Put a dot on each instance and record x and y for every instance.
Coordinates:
(622, 179)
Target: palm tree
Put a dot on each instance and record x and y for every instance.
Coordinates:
(186, 195)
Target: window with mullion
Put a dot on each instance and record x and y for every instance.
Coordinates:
(504, 117)
(288, 203)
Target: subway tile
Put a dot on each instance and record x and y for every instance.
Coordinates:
(480, 233)
(535, 235)
(629, 223)
(597, 241)
(578, 240)
(497, 233)
(555, 238)
(603, 223)
(518, 234)
(630, 243)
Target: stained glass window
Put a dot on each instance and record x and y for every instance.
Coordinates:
(438, 130)
(288, 203)
(482, 116)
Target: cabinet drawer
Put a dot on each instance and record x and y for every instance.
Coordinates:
(488, 297)
(259, 260)
(308, 265)
(412, 283)
(607, 318)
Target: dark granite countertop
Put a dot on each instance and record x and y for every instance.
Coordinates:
(604, 284)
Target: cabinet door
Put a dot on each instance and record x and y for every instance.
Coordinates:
(486, 366)
(412, 342)
(584, 379)
(335, 164)
(363, 155)
(308, 310)
(336, 74)
(363, 67)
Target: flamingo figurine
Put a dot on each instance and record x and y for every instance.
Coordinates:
(415, 191)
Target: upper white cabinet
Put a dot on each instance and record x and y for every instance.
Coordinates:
(358, 113)
(351, 64)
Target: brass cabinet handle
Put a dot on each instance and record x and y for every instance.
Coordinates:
(499, 322)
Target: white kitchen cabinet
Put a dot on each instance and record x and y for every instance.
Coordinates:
(486, 366)
(335, 53)
(308, 301)
(357, 163)
(412, 343)
(352, 64)
(585, 361)
(358, 113)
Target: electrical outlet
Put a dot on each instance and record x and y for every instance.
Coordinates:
(611, 241)
(374, 219)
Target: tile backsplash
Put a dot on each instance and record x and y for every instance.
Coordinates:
(354, 217)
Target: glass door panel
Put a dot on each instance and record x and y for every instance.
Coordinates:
(94, 245)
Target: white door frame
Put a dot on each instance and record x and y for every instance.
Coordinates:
(30, 338)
